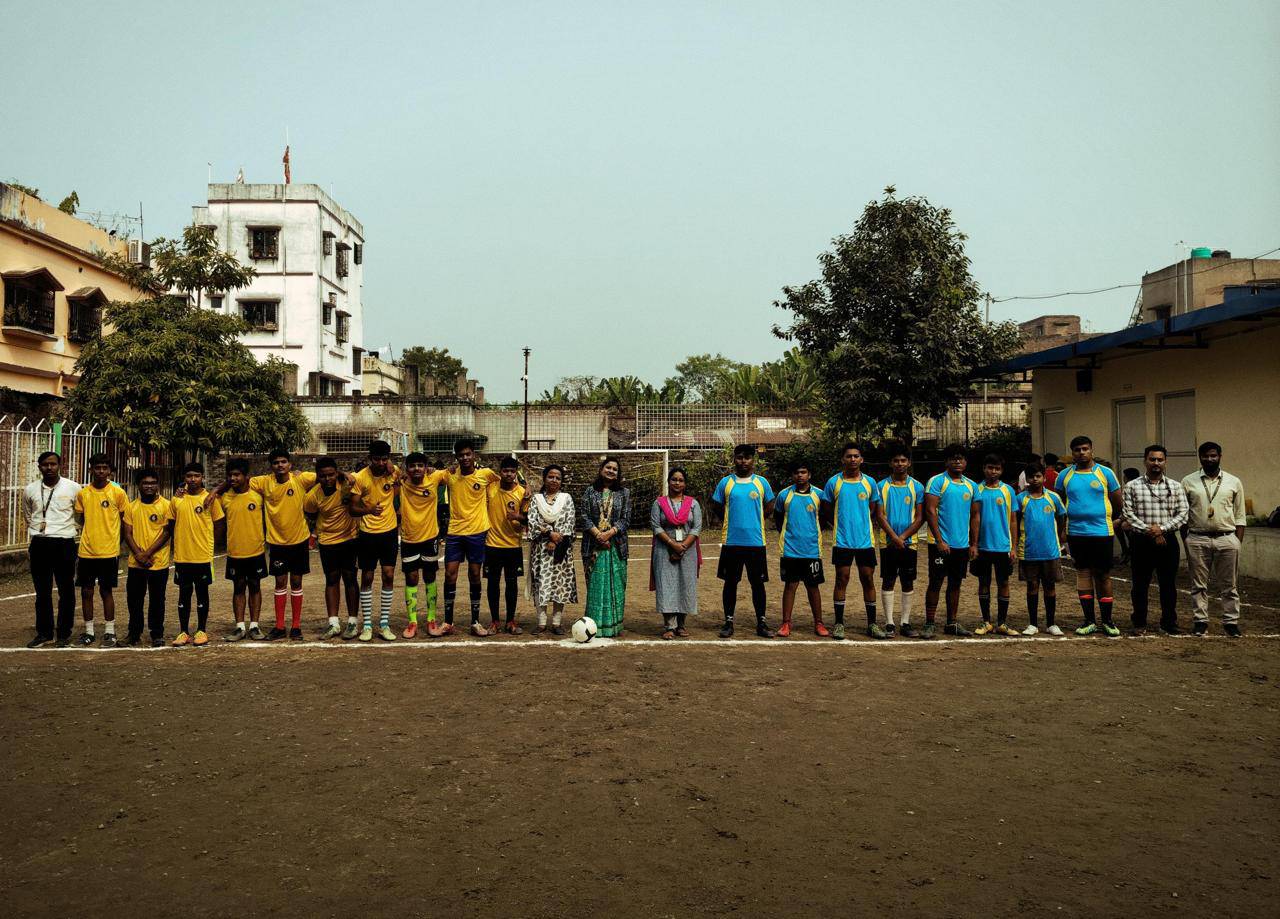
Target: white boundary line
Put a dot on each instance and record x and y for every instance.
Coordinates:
(606, 643)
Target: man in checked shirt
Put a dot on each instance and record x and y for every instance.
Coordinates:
(1155, 508)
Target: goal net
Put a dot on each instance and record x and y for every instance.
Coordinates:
(644, 472)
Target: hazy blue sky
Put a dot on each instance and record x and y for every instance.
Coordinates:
(552, 174)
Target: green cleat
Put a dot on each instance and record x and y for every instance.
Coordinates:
(384, 632)
(332, 631)
(876, 631)
(1088, 628)
(366, 633)
(928, 631)
(908, 631)
(1111, 630)
(837, 631)
(351, 631)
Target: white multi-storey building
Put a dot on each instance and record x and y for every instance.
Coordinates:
(305, 303)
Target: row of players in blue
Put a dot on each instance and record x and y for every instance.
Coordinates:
(985, 528)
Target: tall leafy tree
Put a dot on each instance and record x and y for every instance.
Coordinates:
(892, 324)
(171, 375)
(194, 265)
(436, 363)
(699, 376)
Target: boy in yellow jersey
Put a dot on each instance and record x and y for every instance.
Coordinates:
(373, 492)
(246, 550)
(148, 529)
(193, 520)
(99, 506)
(329, 509)
(468, 530)
(503, 557)
(419, 536)
(288, 539)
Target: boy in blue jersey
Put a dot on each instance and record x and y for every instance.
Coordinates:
(1094, 501)
(946, 509)
(993, 533)
(900, 515)
(746, 500)
(1042, 529)
(796, 514)
(848, 500)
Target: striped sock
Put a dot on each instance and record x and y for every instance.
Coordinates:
(384, 611)
(366, 604)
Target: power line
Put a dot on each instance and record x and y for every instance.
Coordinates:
(1103, 290)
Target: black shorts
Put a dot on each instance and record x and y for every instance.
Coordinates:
(734, 558)
(420, 556)
(338, 558)
(1000, 561)
(500, 561)
(1048, 571)
(193, 573)
(900, 563)
(843, 558)
(253, 568)
(951, 568)
(104, 571)
(808, 570)
(295, 559)
(375, 550)
(1092, 552)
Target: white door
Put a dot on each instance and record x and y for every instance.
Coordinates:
(1178, 432)
(1131, 433)
(1053, 432)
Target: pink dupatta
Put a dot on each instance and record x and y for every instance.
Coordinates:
(678, 519)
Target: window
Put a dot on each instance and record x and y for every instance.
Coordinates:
(327, 312)
(357, 365)
(359, 257)
(84, 314)
(216, 302)
(342, 268)
(344, 326)
(328, 243)
(1162, 312)
(29, 301)
(331, 387)
(264, 242)
(260, 314)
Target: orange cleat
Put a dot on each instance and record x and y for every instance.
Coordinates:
(410, 631)
(820, 629)
(784, 630)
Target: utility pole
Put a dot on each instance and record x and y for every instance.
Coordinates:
(525, 378)
(987, 297)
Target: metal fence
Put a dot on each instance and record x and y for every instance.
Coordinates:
(971, 419)
(715, 425)
(23, 439)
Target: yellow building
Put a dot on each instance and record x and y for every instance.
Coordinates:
(54, 289)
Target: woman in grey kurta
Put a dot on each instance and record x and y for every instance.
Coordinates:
(676, 521)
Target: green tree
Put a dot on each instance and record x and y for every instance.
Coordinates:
(25, 189)
(70, 204)
(436, 363)
(174, 376)
(698, 376)
(194, 265)
(791, 383)
(893, 324)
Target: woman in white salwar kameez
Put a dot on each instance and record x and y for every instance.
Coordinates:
(553, 581)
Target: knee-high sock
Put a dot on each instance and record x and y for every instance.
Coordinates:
(495, 594)
(1050, 609)
(907, 598)
(384, 611)
(512, 595)
(839, 611)
(871, 612)
(758, 599)
(431, 600)
(1002, 610)
(366, 605)
(1033, 608)
(282, 594)
(450, 591)
(1086, 604)
(1104, 607)
(202, 606)
(295, 603)
(984, 603)
(411, 602)
(475, 601)
(184, 607)
(886, 598)
(729, 599)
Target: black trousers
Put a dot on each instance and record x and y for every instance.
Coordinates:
(143, 585)
(1147, 558)
(53, 560)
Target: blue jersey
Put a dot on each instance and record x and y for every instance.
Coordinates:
(1086, 494)
(743, 509)
(995, 530)
(801, 535)
(1038, 536)
(900, 502)
(955, 496)
(852, 499)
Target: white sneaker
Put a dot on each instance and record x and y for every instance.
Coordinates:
(1054, 630)
(366, 634)
(1031, 630)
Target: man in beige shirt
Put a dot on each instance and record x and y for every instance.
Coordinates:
(1212, 535)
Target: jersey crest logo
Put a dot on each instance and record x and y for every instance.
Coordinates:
(199, 508)
(106, 503)
(862, 496)
(1095, 484)
(386, 486)
(289, 492)
(1000, 501)
(906, 500)
(753, 495)
(154, 517)
(1048, 508)
(252, 506)
(475, 486)
(511, 505)
(967, 496)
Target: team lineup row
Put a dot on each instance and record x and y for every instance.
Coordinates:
(364, 522)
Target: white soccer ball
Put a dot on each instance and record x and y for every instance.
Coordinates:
(584, 629)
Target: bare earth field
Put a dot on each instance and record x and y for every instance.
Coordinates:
(531, 777)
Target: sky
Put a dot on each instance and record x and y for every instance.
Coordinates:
(619, 185)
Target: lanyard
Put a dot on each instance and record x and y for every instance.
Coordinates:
(44, 511)
(1204, 482)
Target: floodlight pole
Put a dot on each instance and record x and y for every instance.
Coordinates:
(526, 398)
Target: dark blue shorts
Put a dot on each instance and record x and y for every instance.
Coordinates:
(465, 548)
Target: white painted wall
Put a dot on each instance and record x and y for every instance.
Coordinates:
(301, 277)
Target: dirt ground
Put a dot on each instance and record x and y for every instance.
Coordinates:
(531, 777)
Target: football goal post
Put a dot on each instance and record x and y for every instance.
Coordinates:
(644, 472)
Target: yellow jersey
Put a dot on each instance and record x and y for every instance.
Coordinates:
(148, 521)
(334, 523)
(246, 535)
(102, 509)
(193, 528)
(419, 505)
(503, 534)
(286, 526)
(469, 501)
(378, 493)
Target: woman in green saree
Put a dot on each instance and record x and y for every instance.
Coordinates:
(604, 516)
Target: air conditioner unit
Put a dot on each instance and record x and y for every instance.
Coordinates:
(139, 253)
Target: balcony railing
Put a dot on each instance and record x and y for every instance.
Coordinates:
(32, 316)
